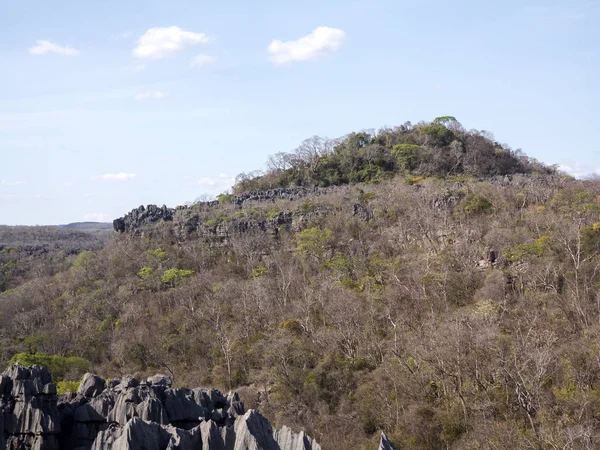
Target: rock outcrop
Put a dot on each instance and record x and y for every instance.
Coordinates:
(141, 217)
(129, 414)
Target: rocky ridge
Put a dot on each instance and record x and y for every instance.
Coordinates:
(130, 414)
(187, 221)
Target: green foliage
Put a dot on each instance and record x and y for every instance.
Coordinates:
(444, 120)
(145, 272)
(476, 203)
(66, 387)
(313, 242)
(175, 276)
(225, 198)
(439, 135)
(407, 155)
(440, 148)
(259, 271)
(158, 253)
(61, 367)
(83, 260)
(34, 343)
(522, 251)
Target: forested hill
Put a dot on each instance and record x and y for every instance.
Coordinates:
(440, 148)
(451, 309)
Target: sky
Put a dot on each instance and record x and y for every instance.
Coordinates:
(108, 105)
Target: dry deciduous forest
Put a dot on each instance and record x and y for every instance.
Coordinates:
(423, 280)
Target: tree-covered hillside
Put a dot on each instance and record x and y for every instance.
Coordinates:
(451, 306)
(439, 148)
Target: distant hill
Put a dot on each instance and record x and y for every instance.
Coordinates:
(88, 226)
(32, 251)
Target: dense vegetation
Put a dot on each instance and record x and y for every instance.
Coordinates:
(440, 148)
(453, 311)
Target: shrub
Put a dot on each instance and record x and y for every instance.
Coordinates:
(225, 198)
(176, 275)
(260, 271)
(65, 387)
(476, 203)
(145, 272)
(521, 251)
(159, 254)
(83, 260)
(313, 242)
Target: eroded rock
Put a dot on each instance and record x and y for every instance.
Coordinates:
(128, 415)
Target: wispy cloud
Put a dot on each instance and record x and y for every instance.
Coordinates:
(121, 176)
(152, 95)
(68, 184)
(217, 184)
(202, 60)
(43, 47)
(11, 183)
(95, 217)
(159, 42)
(320, 42)
(579, 170)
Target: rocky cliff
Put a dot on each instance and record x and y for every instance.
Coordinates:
(130, 414)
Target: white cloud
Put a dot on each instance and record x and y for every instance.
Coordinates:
(217, 184)
(160, 42)
(320, 42)
(68, 184)
(152, 95)
(11, 183)
(202, 60)
(43, 47)
(121, 176)
(94, 217)
(579, 170)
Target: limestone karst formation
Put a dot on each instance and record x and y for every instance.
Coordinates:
(130, 414)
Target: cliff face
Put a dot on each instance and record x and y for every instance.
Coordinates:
(130, 414)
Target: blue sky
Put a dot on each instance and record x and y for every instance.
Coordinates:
(108, 105)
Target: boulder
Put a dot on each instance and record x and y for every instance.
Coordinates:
(91, 385)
